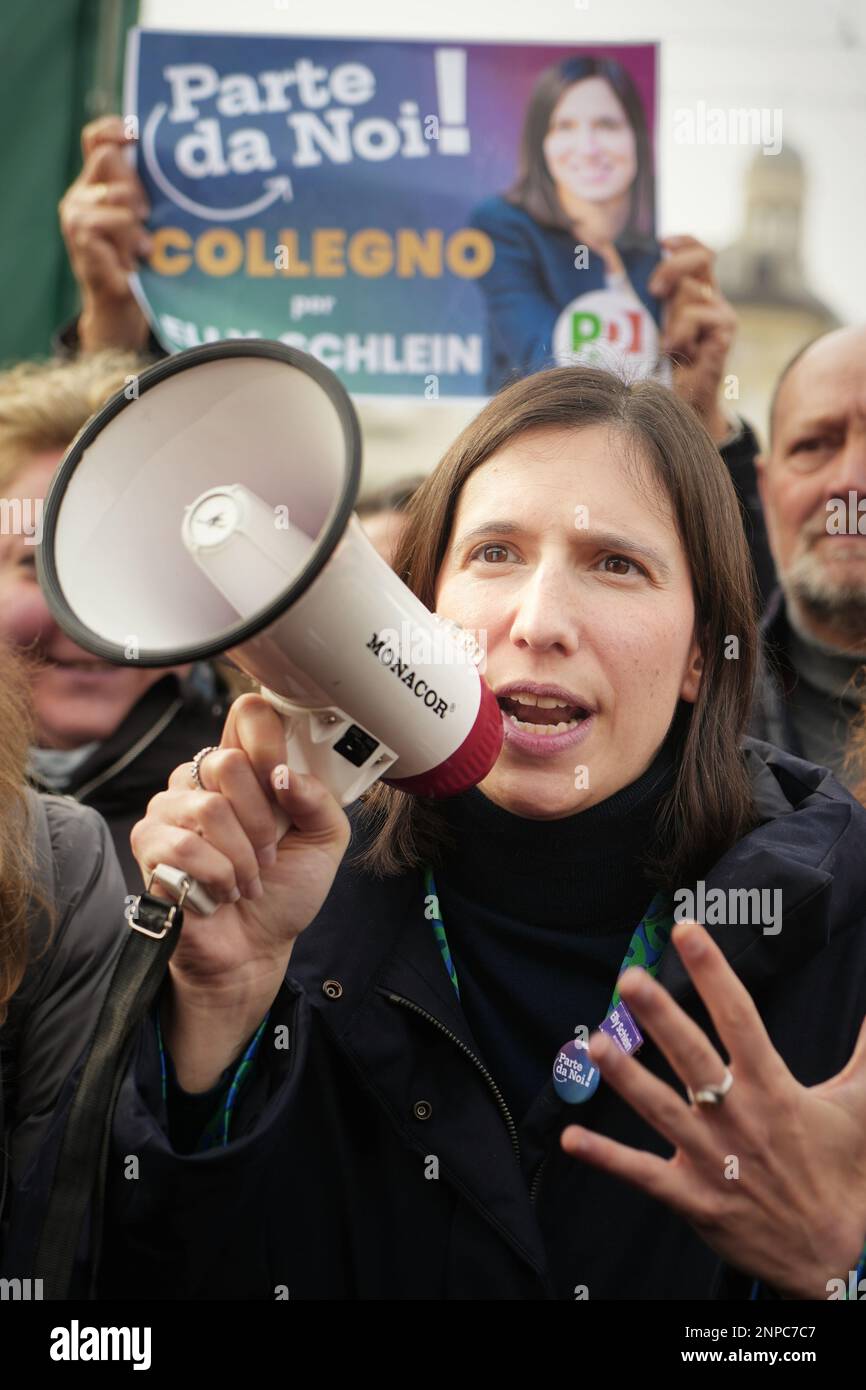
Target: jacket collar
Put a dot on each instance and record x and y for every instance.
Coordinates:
(144, 722)
(803, 851)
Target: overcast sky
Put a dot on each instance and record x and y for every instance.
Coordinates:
(805, 58)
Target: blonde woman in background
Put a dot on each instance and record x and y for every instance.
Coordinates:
(106, 735)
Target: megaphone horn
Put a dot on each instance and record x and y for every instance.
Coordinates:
(211, 513)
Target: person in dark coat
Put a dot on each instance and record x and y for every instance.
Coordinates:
(813, 484)
(360, 1080)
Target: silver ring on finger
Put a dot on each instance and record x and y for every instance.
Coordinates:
(711, 1095)
(197, 761)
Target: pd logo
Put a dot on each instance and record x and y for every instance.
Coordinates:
(607, 328)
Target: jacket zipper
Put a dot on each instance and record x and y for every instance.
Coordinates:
(130, 755)
(467, 1051)
(536, 1179)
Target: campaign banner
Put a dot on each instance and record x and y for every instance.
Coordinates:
(427, 219)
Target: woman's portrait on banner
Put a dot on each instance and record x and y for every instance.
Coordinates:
(574, 235)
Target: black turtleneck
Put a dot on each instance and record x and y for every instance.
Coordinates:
(539, 915)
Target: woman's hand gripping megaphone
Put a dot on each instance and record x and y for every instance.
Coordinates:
(263, 843)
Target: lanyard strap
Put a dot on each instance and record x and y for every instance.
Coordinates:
(648, 942)
(216, 1131)
(432, 913)
(646, 948)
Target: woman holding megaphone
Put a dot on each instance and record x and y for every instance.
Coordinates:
(365, 1073)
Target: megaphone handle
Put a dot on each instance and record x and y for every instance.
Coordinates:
(327, 743)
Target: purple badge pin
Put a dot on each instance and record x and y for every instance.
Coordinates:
(621, 1028)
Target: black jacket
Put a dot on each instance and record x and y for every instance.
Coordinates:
(373, 1157)
(740, 457)
(70, 960)
(771, 712)
(168, 726)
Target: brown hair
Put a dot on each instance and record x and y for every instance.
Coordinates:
(534, 189)
(710, 805)
(43, 405)
(16, 848)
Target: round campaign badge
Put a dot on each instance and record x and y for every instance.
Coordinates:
(608, 328)
(575, 1075)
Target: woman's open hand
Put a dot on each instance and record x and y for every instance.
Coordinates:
(791, 1210)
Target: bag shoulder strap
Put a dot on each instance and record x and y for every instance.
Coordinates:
(9, 1034)
(79, 1176)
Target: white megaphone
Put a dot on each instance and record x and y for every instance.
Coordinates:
(207, 509)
